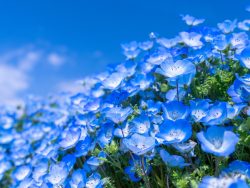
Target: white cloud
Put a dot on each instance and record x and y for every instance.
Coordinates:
(16, 66)
(12, 82)
(70, 86)
(56, 59)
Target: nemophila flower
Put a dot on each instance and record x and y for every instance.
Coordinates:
(95, 162)
(92, 105)
(6, 137)
(192, 21)
(5, 165)
(175, 110)
(40, 170)
(239, 41)
(158, 57)
(113, 81)
(105, 135)
(6, 121)
(172, 160)
(227, 26)
(78, 179)
(84, 146)
(240, 90)
(244, 25)
(180, 72)
(140, 125)
(57, 173)
(168, 43)
(130, 50)
(216, 114)
(70, 138)
(139, 144)
(153, 107)
(117, 97)
(191, 39)
(21, 172)
(220, 42)
(218, 141)
(244, 57)
(238, 169)
(122, 131)
(28, 182)
(143, 81)
(223, 182)
(185, 147)
(69, 160)
(94, 181)
(127, 68)
(234, 110)
(118, 114)
(199, 109)
(146, 45)
(174, 131)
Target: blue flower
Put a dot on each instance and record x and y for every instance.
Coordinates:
(223, 182)
(130, 50)
(172, 160)
(105, 135)
(143, 81)
(158, 57)
(220, 42)
(244, 25)
(192, 39)
(84, 146)
(94, 162)
(227, 26)
(199, 109)
(238, 168)
(245, 58)
(169, 43)
(218, 141)
(140, 125)
(57, 173)
(174, 131)
(240, 90)
(113, 81)
(234, 110)
(139, 144)
(22, 172)
(70, 138)
(78, 178)
(180, 72)
(216, 114)
(147, 45)
(186, 147)
(69, 160)
(40, 170)
(122, 131)
(118, 114)
(175, 110)
(192, 21)
(94, 181)
(239, 41)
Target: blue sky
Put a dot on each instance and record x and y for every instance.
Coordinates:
(45, 45)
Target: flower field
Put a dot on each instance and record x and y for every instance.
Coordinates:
(174, 113)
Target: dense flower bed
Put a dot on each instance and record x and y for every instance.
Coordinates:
(175, 113)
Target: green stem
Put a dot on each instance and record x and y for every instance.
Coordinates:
(145, 177)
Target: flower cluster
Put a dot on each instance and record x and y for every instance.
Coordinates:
(173, 114)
